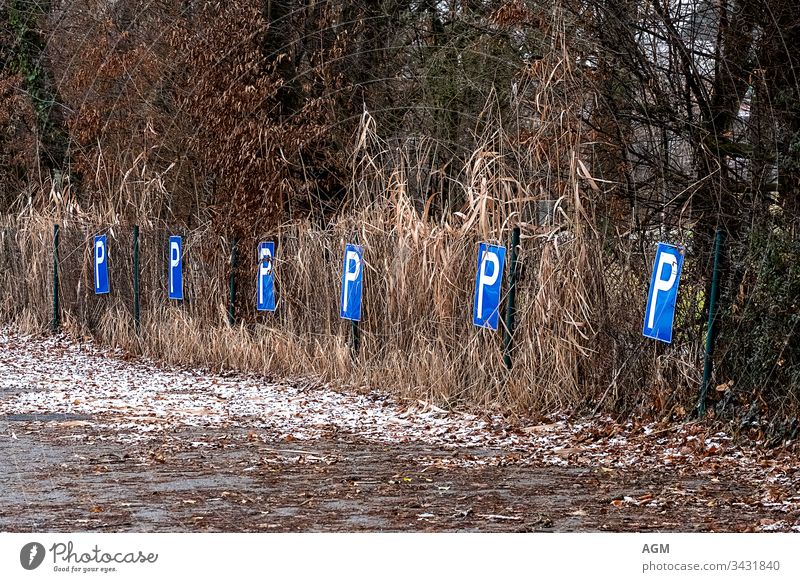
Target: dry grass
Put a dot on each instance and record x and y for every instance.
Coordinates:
(578, 343)
(577, 340)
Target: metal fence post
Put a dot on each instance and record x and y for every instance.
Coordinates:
(232, 283)
(355, 331)
(136, 295)
(710, 332)
(55, 322)
(511, 307)
(355, 337)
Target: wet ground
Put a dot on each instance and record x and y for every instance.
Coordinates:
(241, 483)
(113, 468)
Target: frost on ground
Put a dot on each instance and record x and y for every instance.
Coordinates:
(133, 401)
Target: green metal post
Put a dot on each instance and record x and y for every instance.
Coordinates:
(710, 332)
(511, 307)
(55, 279)
(356, 337)
(137, 321)
(232, 283)
(355, 331)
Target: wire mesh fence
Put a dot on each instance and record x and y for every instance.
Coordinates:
(578, 342)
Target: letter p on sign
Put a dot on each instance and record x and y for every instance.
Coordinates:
(175, 268)
(660, 313)
(100, 265)
(352, 280)
(488, 281)
(266, 277)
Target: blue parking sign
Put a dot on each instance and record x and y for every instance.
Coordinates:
(660, 312)
(266, 277)
(175, 268)
(101, 285)
(488, 281)
(352, 278)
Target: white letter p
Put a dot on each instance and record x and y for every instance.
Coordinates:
(174, 261)
(264, 269)
(99, 257)
(487, 280)
(662, 284)
(350, 276)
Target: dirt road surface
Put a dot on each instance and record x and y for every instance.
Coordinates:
(92, 439)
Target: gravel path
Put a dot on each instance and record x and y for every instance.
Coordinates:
(92, 438)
